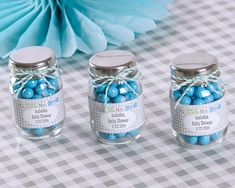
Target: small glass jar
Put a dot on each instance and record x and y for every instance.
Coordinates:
(37, 94)
(115, 97)
(197, 97)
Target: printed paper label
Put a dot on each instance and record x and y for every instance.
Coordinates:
(197, 120)
(39, 113)
(118, 117)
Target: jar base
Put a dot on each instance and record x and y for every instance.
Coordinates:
(182, 142)
(119, 141)
(119, 138)
(40, 133)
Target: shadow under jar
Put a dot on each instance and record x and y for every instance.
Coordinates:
(197, 97)
(37, 95)
(115, 97)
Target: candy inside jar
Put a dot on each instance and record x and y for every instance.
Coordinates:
(198, 106)
(36, 89)
(115, 97)
(117, 93)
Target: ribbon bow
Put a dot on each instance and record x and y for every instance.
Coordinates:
(120, 78)
(27, 75)
(190, 82)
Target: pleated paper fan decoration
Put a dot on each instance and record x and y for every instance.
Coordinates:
(70, 25)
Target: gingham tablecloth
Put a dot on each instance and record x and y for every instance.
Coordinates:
(75, 159)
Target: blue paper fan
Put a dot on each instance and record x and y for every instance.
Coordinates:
(70, 25)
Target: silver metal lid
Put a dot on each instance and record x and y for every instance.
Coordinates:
(194, 64)
(32, 57)
(111, 62)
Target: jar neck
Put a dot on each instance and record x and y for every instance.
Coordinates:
(199, 79)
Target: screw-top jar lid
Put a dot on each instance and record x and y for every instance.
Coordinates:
(32, 57)
(111, 62)
(194, 64)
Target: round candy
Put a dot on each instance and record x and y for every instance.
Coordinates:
(118, 99)
(212, 87)
(190, 139)
(198, 101)
(123, 89)
(204, 140)
(134, 85)
(111, 137)
(41, 81)
(114, 84)
(176, 95)
(101, 98)
(217, 95)
(216, 135)
(185, 100)
(121, 135)
(16, 86)
(31, 83)
(190, 92)
(112, 92)
(39, 131)
(41, 89)
(50, 92)
(130, 96)
(201, 92)
(101, 88)
(133, 132)
(208, 99)
(54, 83)
(37, 96)
(27, 93)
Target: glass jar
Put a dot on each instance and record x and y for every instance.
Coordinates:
(197, 97)
(37, 94)
(115, 97)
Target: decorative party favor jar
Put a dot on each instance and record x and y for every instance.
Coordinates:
(115, 97)
(37, 96)
(197, 97)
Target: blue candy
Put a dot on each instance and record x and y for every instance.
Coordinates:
(41, 81)
(39, 131)
(101, 88)
(204, 140)
(101, 98)
(110, 137)
(176, 94)
(41, 89)
(31, 83)
(198, 101)
(217, 95)
(50, 92)
(208, 99)
(216, 135)
(130, 96)
(190, 139)
(118, 99)
(201, 92)
(190, 92)
(27, 93)
(134, 85)
(185, 100)
(37, 96)
(54, 83)
(133, 132)
(212, 87)
(123, 89)
(112, 92)
(121, 135)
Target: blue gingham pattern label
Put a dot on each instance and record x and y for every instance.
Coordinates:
(39, 113)
(198, 120)
(117, 117)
